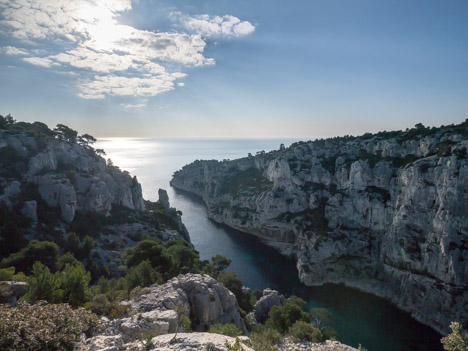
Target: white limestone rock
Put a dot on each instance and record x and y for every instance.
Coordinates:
(383, 215)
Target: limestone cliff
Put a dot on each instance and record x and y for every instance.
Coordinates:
(50, 186)
(384, 213)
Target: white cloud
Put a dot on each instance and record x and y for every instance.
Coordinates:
(40, 61)
(11, 50)
(132, 105)
(181, 84)
(84, 38)
(211, 26)
(101, 86)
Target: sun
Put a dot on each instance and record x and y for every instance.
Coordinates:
(101, 26)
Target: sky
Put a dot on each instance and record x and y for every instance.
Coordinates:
(234, 68)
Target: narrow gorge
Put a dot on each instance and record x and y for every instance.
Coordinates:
(384, 213)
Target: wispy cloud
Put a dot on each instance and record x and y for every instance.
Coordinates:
(85, 37)
(214, 26)
(11, 50)
(130, 106)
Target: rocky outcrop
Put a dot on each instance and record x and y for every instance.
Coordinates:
(158, 311)
(11, 291)
(204, 299)
(69, 176)
(264, 304)
(384, 213)
(164, 199)
(51, 187)
(329, 345)
(183, 342)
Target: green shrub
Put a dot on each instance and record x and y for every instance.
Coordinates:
(67, 258)
(42, 285)
(74, 282)
(7, 273)
(142, 275)
(220, 263)
(45, 252)
(235, 347)
(302, 331)
(264, 338)
(232, 282)
(324, 321)
(184, 259)
(150, 250)
(457, 340)
(225, 329)
(281, 318)
(69, 285)
(210, 347)
(43, 327)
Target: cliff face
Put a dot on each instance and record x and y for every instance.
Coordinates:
(68, 176)
(49, 187)
(385, 213)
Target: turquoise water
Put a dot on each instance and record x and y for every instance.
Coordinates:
(360, 318)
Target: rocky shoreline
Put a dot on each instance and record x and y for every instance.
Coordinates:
(385, 213)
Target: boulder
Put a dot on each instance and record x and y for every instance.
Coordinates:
(11, 291)
(204, 299)
(195, 342)
(262, 307)
(329, 345)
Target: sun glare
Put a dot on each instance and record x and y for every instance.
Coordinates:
(100, 24)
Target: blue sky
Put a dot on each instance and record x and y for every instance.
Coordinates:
(218, 68)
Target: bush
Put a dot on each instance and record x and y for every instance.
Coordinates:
(302, 331)
(225, 329)
(43, 326)
(184, 258)
(210, 347)
(232, 282)
(281, 318)
(70, 285)
(142, 275)
(101, 305)
(42, 285)
(324, 321)
(149, 250)
(220, 263)
(74, 282)
(7, 273)
(45, 252)
(264, 338)
(457, 340)
(235, 347)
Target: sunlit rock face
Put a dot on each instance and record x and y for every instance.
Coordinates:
(69, 176)
(386, 213)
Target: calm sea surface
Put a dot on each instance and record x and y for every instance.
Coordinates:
(360, 318)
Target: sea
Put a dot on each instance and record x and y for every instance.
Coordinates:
(360, 318)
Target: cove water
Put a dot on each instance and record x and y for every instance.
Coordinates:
(361, 318)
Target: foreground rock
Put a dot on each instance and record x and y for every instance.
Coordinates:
(264, 304)
(204, 299)
(311, 346)
(158, 310)
(10, 292)
(384, 213)
(194, 341)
